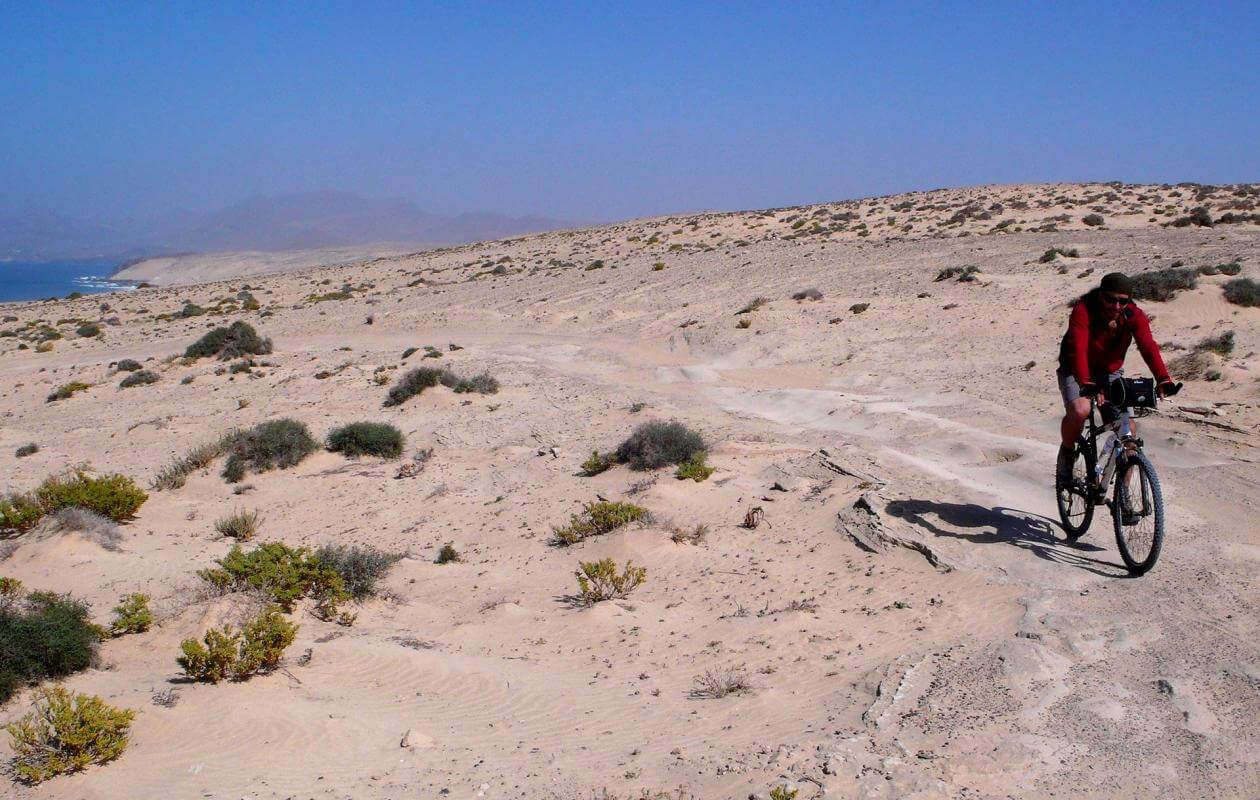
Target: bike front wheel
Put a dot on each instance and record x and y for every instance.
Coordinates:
(1137, 510)
(1076, 498)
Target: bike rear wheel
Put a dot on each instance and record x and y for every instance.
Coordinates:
(1137, 511)
(1076, 500)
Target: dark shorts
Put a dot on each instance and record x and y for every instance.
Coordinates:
(1071, 390)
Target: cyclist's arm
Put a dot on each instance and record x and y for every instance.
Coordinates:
(1148, 347)
(1078, 333)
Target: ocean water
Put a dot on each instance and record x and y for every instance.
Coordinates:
(24, 280)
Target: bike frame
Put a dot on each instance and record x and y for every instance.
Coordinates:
(1121, 438)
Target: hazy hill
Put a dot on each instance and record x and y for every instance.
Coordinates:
(281, 222)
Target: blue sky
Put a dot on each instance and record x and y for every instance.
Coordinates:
(598, 111)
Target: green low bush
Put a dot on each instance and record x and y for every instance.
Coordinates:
(599, 580)
(360, 567)
(1243, 292)
(19, 512)
(67, 390)
(694, 468)
(447, 555)
(237, 340)
(597, 519)
(132, 615)
(26, 450)
(128, 365)
(141, 378)
(286, 574)
(1162, 285)
(656, 444)
(88, 329)
(416, 381)
(367, 439)
(1222, 344)
(1055, 252)
(481, 383)
(67, 732)
(113, 496)
(43, 635)
(276, 444)
(598, 463)
(963, 274)
(224, 653)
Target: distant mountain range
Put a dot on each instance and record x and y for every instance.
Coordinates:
(280, 222)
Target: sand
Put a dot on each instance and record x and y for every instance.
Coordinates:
(976, 654)
(205, 267)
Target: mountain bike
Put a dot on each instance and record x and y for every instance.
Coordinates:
(1137, 503)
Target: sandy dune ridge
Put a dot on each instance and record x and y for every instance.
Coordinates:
(986, 658)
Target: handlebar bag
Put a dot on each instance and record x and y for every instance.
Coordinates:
(1132, 392)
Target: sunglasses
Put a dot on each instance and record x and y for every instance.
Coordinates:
(1115, 299)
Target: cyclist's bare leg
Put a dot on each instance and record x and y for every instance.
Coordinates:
(1077, 411)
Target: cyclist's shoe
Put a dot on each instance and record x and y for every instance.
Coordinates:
(1063, 469)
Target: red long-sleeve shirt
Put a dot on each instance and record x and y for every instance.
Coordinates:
(1092, 347)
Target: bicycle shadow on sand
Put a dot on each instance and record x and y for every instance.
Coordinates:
(1040, 535)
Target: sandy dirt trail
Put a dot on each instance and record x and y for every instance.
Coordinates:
(910, 619)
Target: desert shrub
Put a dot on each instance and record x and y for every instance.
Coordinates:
(43, 635)
(599, 580)
(140, 378)
(88, 329)
(1162, 285)
(240, 524)
(113, 496)
(694, 468)
(964, 274)
(190, 310)
(367, 438)
(807, 294)
(245, 365)
(1055, 252)
(1243, 292)
(67, 390)
(97, 527)
(223, 652)
(598, 463)
(597, 519)
(696, 535)
(718, 683)
(175, 474)
(1222, 344)
(132, 615)
(481, 383)
(360, 567)
(1198, 216)
(1192, 366)
(782, 792)
(858, 308)
(284, 573)
(408, 353)
(655, 444)
(416, 381)
(744, 323)
(275, 444)
(1231, 268)
(67, 732)
(127, 365)
(19, 512)
(753, 305)
(26, 450)
(447, 555)
(237, 340)
(1093, 220)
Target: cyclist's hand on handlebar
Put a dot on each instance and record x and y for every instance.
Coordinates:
(1092, 391)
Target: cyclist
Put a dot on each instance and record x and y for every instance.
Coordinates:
(1103, 323)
